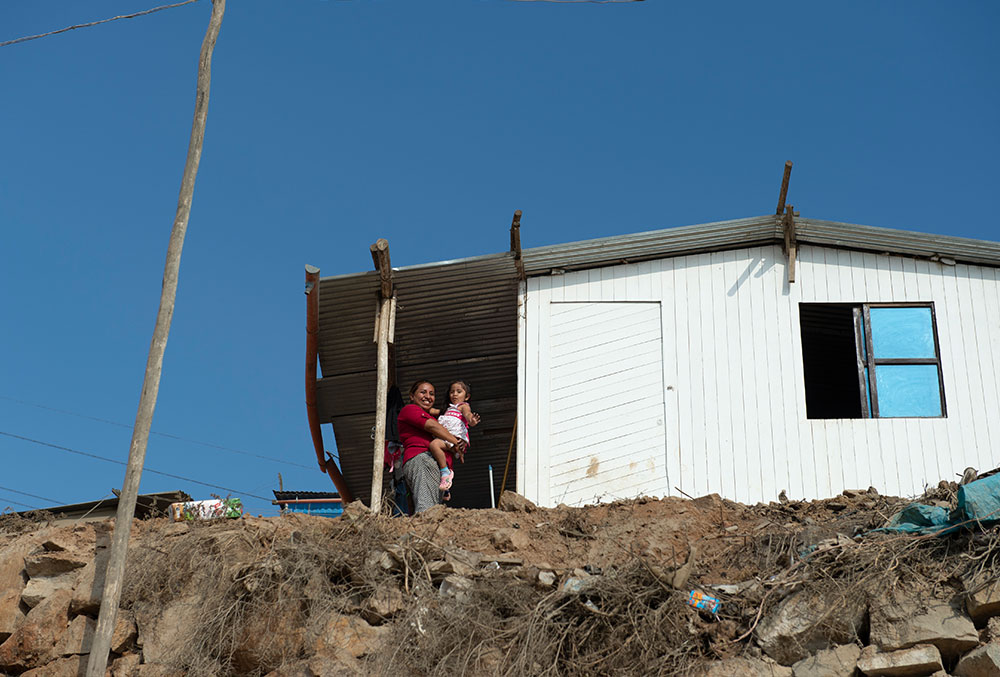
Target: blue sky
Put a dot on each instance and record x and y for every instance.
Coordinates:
(333, 123)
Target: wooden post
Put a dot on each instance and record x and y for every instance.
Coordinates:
(515, 244)
(98, 661)
(784, 188)
(383, 321)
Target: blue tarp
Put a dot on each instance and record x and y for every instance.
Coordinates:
(978, 502)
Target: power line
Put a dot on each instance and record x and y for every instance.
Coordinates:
(117, 462)
(95, 23)
(24, 493)
(9, 500)
(167, 435)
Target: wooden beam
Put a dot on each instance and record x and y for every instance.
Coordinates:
(326, 465)
(384, 321)
(380, 256)
(115, 572)
(515, 243)
(791, 243)
(784, 188)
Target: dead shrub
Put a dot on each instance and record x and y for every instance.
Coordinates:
(626, 622)
(264, 591)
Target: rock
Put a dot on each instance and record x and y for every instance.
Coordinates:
(836, 662)
(981, 662)
(125, 666)
(806, 622)
(335, 664)
(159, 670)
(507, 540)
(455, 586)
(744, 667)
(31, 645)
(546, 579)
(385, 602)
(77, 638)
(71, 666)
(991, 633)
(89, 585)
(164, 631)
(984, 603)
(435, 513)
(354, 511)
(941, 623)
(463, 562)
(125, 632)
(11, 615)
(12, 580)
(512, 502)
(380, 559)
(922, 659)
(576, 586)
(349, 634)
(39, 588)
(54, 563)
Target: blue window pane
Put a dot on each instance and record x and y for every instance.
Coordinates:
(902, 332)
(907, 390)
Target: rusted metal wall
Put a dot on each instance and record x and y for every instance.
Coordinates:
(454, 320)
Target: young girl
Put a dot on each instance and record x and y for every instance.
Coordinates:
(457, 419)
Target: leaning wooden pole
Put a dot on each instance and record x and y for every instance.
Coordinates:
(380, 255)
(98, 661)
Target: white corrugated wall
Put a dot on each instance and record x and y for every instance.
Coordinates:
(732, 379)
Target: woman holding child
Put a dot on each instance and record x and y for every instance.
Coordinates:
(428, 446)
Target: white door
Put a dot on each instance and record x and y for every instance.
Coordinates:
(606, 429)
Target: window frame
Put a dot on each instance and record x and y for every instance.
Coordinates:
(866, 359)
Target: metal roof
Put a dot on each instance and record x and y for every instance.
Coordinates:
(752, 232)
(476, 341)
(145, 505)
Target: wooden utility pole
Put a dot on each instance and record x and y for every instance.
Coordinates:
(384, 320)
(98, 661)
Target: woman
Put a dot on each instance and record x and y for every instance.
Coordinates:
(417, 428)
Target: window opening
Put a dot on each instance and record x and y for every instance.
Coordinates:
(871, 360)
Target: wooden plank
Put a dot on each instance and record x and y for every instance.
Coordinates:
(789, 352)
(803, 291)
(772, 284)
(731, 401)
(703, 406)
(760, 394)
(528, 466)
(381, 391)
(664, 288)
(940, 457)
(988, 346)
(544, 390)
(973, 370)
(523, 377)
(620, 276)
(685, 385)
(896, 278)
(960, 392)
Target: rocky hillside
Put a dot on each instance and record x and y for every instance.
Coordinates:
(804, 589)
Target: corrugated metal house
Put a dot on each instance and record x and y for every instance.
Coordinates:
(686, 361)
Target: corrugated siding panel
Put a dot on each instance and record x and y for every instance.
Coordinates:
(733, 376)
(454, 320)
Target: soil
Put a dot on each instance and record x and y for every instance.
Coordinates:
(493, 584)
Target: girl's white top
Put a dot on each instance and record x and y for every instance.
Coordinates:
(454, 422)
